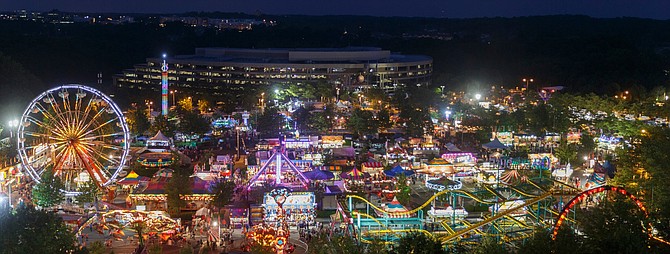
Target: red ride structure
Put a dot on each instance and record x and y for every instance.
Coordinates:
(581, 196)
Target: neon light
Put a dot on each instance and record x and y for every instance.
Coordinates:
(586, 193)
(164, 91)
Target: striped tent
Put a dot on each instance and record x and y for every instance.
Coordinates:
(355, 174)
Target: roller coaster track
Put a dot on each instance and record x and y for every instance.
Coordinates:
(487, 188)
(566, 185)
(396, 231)
(523, 193)
(495, 217)
(536, 185)
(468, 194)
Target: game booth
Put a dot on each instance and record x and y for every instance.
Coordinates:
(299, 207)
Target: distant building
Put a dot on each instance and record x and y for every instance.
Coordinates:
(214, 70)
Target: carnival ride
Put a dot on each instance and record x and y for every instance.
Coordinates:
(78, 133)
(514, 211)
(115, 222)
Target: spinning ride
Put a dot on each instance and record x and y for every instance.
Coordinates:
(76, 131)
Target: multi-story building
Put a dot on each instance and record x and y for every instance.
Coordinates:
(217, 70)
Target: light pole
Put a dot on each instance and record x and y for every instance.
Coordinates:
(173, 101)
(337, 94)
(149, 103)
(527, 80)
(12, 124)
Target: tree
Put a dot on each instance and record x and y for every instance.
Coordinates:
(361, 122)
(566, 152)
(269, 122)
(405, 192)
(96, 247)
(320, 121)
(186, 104)
(139, 227)
(223, 193)
(615, 226)
(137, 119)
(489, 245)
(419, 243)
(34, 231)
(192, 122)
(203, 106)
(47, 193)
(162, 124)
(178, 186)
(416, 121)
(384, 118)
(337, 244)
(89, 193)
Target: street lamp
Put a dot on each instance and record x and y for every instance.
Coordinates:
(478, 96)
(12, 124)
(337, 94)
(527, 80)
(149, 103)
(173, 92)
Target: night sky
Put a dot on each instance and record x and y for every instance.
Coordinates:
(656, 9)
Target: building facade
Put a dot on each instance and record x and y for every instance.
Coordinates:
(216, 70)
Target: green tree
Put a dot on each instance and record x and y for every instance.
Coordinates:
(405, 192)
(270, 122)
(161, 123)
(489, 245)
(139, 227)
(223, 193)
(320, 122)
(566, 152)
(137, 119)
(89, 193)
(179, 185)
(96, 247)
(361, 122)
(384, 118)
(190, 122)
(47, 192)
(416, 121)
(337, 244)
(615, 226)
(419, 243)
(28, 230)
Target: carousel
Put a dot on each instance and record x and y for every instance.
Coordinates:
(272, 236)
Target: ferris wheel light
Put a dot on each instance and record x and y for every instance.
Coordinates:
(80, 135)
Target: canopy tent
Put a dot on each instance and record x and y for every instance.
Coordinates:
(159, 137)
(495, 144)
(166, 172)
(397, 171)
(452, 148)
(438, 166)
(444, 183)
(317, 174)
(204, 211)
(344, 152)
(392, 208)
(510, 176)
(355, 174)
(132, 178)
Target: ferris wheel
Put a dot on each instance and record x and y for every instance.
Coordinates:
(76, 131)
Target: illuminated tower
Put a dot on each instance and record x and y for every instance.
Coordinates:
(164, 90)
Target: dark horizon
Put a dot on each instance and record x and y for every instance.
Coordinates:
(653, 9)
